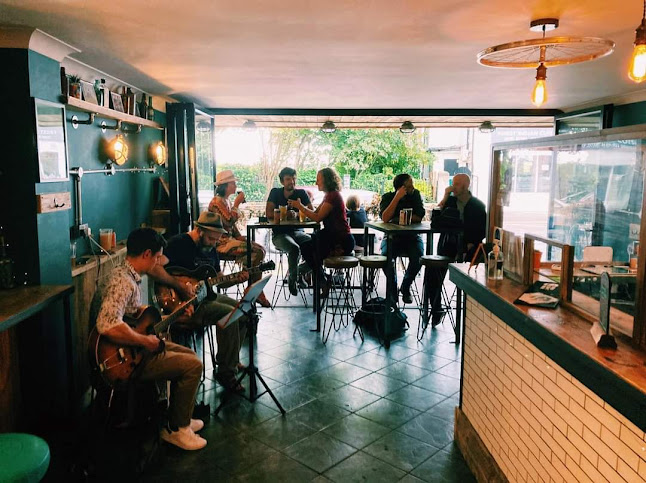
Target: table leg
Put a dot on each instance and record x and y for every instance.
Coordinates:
(316, 297)
(391, 288)
(250, 233)
(365, 270)
(429, 251)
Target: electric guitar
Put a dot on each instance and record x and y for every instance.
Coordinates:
(167, 297)
(116, 362)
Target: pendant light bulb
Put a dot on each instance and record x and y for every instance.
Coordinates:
(539, 93)
(637, 69)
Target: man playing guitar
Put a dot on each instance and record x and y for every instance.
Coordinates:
(120, 296)
(196, 249)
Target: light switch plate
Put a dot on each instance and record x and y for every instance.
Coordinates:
(633, 232)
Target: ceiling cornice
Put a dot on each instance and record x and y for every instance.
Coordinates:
(18, 37)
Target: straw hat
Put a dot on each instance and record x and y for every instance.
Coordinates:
(225, 176)
(210, 221)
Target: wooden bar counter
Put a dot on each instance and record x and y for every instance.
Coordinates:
(538, 400)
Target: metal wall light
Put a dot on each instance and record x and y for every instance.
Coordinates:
(118, 150)
(249, 124)
(158, 154)
(637, 70)
(203, 126)
(407, 127)
(328, 127)
(486, 127)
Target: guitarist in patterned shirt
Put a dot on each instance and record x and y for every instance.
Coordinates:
(190, 251)
(120, 296)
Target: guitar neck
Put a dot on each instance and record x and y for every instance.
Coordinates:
(163, 324)
(218, 279)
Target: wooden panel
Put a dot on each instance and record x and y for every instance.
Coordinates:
(49, 202)
(110, 113)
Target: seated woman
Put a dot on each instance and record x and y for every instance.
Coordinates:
(335, 237)
(357, 216)
(232, 243)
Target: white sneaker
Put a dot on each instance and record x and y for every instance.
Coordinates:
(183, 438)
(196, 425)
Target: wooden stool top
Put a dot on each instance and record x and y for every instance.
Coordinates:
(341, 262)
(437, 261)
(373, 261)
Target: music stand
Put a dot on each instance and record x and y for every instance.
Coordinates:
(247, 306)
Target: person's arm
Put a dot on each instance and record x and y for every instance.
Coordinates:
(320, 214)
(160, 275)
(418, 208)
(122, 334)
(447, 193)
(388, 214)
(269, 210)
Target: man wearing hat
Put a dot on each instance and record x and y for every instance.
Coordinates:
(232, 243)
(190, 251)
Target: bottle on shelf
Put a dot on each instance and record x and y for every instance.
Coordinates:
(131, 101)
(151, 110)
(125, 99)
(143, 106)
(64, 83)
(494, 263)
(98, 91)
(105, 94)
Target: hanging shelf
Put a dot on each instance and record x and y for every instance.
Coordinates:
(80, 105)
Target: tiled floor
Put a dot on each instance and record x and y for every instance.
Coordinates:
(355, 411)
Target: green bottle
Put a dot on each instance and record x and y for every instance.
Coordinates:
(151, 110)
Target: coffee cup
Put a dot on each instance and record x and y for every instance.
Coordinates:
(277, 216)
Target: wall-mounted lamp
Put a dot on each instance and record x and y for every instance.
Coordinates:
(158, 154)
(249, 124)
(486, 127)
(407, 127)
(328, 127)
(637, 70)
(203, 126)
(118, 150)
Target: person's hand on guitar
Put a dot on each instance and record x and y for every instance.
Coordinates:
(186, 290)
(152, 343)
(243, 276)
(189, 311)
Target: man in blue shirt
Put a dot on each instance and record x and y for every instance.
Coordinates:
(285, 238)
(409, 245)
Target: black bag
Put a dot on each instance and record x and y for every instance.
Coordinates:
(449, 217)
(371, 317)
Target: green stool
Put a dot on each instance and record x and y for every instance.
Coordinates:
(23, 457)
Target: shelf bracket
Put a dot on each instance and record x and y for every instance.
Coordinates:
(105, 126)
(89, 121)
(130, 131)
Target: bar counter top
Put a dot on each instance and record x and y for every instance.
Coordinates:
(617, 376)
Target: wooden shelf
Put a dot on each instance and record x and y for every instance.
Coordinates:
(110, 113)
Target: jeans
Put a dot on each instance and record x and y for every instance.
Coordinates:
(291, 244)
(321, 244)
(413, 248)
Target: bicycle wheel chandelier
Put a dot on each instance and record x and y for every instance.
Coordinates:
(544, 52)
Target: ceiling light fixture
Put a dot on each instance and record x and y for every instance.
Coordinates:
(407, 127)
(637, 70)
(328, 127)
(203, 126)
(486, 127)
(545, 52)
(249, 124)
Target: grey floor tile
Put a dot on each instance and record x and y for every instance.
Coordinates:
(427, 361)
(446, 350)
(244, 415)
(446, 466)
(289, 397)
(281, 432)
(370, 361)
(318, 414)
(416, 397)
(410, 479)
(318, 384)
(357, 431)
(361, 468)
(350, 398)
(401, 450)
(445, 409)
(404, 372)
(379, 384)
(239, 452)
(388, 413)
(277, 467)
(452, 370)
(319, 451)
(439, 383)
(345, 372)
(395, 352)
(344, 352)
(430, 429)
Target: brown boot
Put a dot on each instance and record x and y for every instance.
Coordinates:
(262, 300)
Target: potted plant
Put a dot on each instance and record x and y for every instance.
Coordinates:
(75, 86)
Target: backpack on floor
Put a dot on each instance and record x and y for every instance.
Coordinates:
(371, 317)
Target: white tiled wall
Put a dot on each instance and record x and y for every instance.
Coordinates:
(538, 422)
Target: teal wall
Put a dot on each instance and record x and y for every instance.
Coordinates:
(629, 114)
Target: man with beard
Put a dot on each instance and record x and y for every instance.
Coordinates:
(190, 251)
(285, 238)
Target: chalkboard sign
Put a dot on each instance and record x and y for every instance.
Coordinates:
(604, 301)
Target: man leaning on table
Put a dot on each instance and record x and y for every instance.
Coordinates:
(286, 238)
(407, 244)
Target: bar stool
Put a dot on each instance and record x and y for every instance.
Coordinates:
(372, 265)
(339, 304)
(281, 285)
(435, 267)
(23, 457)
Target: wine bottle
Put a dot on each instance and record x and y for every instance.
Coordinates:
(131, 101)
(151, 110)
(105, 94)
(98, 92)
(124, 99)
(143, 107)
(64, 84)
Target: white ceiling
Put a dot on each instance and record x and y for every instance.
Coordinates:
(336, 53)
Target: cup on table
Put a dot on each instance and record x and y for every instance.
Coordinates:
(277, 216)
(283, 212)
(633, 263)
(302, 216)
(105, 238)
(537, 259)
(409, 215)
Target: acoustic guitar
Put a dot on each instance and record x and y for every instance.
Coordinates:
(116, 362)
(167, 297)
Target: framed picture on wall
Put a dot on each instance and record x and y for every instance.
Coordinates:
(117, 104)
(51, 137)
(89, 94)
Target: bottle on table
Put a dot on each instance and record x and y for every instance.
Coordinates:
(494, 263)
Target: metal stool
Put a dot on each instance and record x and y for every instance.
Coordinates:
(281, 284)
(23, 457)
(435, 267)
(339, 304)
(372, 265)
(417, 301)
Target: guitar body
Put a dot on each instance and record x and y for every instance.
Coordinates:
(117, 362)
(167, 297)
